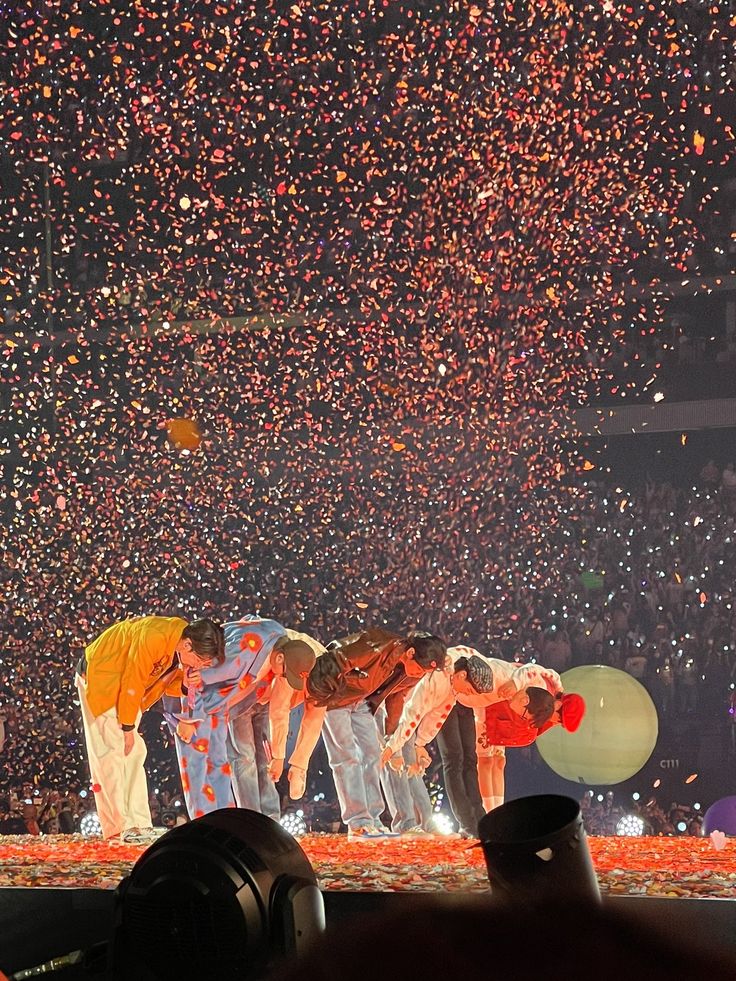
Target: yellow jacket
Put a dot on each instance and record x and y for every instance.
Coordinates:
(131, 664)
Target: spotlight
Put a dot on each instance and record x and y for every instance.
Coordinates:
(535, 848)
(442, 823)
(682, 826)
(220, 897)
(90, 825)
(630, 826)
(294, 823)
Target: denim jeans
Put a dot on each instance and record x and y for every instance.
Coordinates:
(354, 753)
(456, 743)
(252, 785)
(408, 799)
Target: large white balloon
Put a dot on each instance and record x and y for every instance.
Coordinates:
(617, 735)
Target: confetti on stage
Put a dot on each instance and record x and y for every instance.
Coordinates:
(665, 867)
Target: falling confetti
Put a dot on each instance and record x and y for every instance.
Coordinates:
(382, 254)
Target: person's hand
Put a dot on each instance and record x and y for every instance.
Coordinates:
(386, 755)
(186, 730)
(128, 741)
(507, 690)
(297, 782)
(275, 769)
(194, 678)
(422, 762)
(397, 763)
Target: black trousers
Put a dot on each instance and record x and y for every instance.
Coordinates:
(456, 743)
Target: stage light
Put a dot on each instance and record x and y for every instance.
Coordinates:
(536, 848)
(682, 826)
(696, 806)
(294, 823)
(90, 825)
(442, 823)
(221, 897)
(635, 796)
(630, 826)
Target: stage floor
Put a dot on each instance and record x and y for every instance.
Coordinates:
(679, 867)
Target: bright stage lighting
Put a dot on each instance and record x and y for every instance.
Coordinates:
(294, 823)
(442, 824)
(630, 826)
(90, 825)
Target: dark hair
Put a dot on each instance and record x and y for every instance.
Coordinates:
(541, 706)
(460, 665)
(427, 649)
(207, 638)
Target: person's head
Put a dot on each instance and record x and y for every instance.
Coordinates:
(471, 676)
(535, 705)
(292, 659)
(425, 653)
(202, 643)
(569, 710)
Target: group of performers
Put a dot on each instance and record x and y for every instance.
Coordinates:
(377, 698)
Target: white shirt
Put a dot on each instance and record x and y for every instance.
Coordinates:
(433, 697)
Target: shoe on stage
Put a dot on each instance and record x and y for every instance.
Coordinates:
(369, 833)
(140, 836)
(418, 833)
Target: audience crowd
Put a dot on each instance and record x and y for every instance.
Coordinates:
(435, 212)
(640, 580)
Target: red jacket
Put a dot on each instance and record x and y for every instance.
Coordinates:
(505, 728)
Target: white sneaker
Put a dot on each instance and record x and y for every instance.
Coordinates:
(382, 829)
(417, 832)
(369, 833)
(141, 836)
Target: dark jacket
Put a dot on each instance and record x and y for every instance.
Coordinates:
(362, 666)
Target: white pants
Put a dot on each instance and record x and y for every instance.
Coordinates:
(118, 781)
